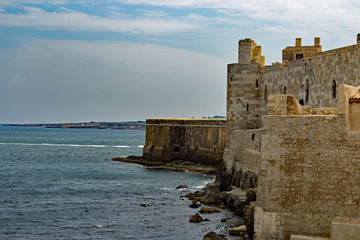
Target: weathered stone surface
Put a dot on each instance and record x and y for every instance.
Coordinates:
(196, 218)
(213, 236)
(196, 140)
(249, 211)
(251, 195)
(195, 205)
(238, 231)
(206, 210)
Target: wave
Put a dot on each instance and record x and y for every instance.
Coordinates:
(67, 145)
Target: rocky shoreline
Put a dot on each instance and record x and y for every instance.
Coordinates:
(175, 165)
(235, 190)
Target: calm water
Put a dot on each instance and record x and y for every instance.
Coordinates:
(56, 184)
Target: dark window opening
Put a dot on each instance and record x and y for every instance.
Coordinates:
(253, 136)
(247, 107)
(152, 148)
(334, 89)
(257, 83)
(265, 94)
(307, 90)
(284, 90)
(176, 149)
(299, 56)
(230, 79)
(301, 102)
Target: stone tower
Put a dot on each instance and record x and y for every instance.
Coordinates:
(243, 87)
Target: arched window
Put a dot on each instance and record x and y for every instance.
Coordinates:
(307, 90)
(333, 87)
(284, 90)
(265, 94)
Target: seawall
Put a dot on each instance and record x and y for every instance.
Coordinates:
(196, 140)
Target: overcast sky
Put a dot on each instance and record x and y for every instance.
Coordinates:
(121, 60)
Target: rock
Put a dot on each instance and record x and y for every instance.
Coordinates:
(199, 194)
(143, 205)
(189, 195)
(238, 231)
(196, 218)
(195, 205)
(181, 187)
(251, 195)
(209, 210)
(249, 211)
(224, 220)
(213, 236)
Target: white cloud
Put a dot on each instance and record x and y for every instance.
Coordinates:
(84, 81)
(308, 14)
(78, 21)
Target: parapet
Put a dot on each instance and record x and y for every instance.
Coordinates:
(249, 52)
(296, 52)
(287, 104)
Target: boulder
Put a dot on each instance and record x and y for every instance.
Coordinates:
(249, 211)
(209, 210)
(213, 236)
(238, 231)
(196, 218)
(181, 187)
(195, 205)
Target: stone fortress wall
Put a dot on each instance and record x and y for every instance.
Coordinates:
(306, 153)
(196, 140)
(292, 131)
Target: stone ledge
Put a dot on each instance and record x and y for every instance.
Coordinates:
(300, 237)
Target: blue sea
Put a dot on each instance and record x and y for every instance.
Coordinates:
(60, 184)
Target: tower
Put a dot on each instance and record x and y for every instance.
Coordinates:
(243, 87)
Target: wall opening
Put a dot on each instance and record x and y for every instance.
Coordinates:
(177, 149)
(257, 83)
(307, 90)
(265, 94)
(247, 107)
(284, 91)
(299, 56)
(152, 148)
(333, 89)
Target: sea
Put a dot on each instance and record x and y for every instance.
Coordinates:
(61, 184)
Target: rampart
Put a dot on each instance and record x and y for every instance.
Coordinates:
(196, 140)
(308, 173)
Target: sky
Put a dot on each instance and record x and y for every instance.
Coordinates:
(129, 60)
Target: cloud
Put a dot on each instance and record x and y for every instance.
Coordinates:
(79, 21)
(55, 80)
(333, 15)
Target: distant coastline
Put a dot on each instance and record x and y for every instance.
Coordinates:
(132, 125)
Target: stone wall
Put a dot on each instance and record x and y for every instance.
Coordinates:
(308, 175)
(196, 140)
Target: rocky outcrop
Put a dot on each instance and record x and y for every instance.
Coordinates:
(213, 236)
(235, 189)
(196, 218)
(206, 210)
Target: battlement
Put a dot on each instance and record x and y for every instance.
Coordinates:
(297, 52)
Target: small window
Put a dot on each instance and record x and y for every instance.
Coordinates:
(284, 90)
(257, 83)
(247, 107)
(230, 79)
(265, 94)
(334, 90)
(307, 90)
(299, 56)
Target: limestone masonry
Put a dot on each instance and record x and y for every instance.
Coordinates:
(295, 125)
